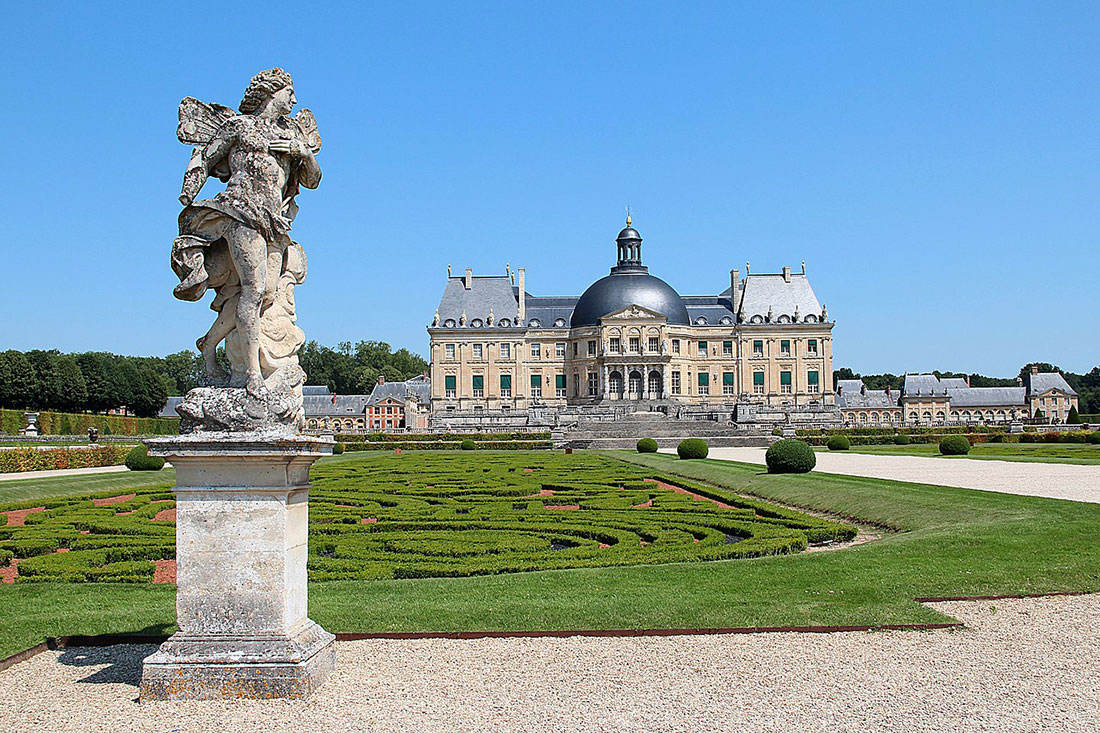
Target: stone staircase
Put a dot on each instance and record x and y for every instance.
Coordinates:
(625, 431)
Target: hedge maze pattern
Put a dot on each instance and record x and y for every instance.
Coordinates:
(436, 515)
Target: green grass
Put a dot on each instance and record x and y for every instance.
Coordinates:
(44, 488)
(1075, 453)
(951, 542)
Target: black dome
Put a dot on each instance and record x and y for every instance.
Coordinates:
(623, 289)
(629, 233)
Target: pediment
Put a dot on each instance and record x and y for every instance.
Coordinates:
(633, 313)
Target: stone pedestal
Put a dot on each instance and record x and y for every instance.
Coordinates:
(241, 541)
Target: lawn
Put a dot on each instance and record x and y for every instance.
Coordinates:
(1078, 453)
(947, 542)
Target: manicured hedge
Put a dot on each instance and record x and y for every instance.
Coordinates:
(691, 448)
(467, 445)
(901, 439)
(34, 459)
(955, 445)
(790, 456)
(138, 459)
(12, 422)
(441, 515)
(449, 445)
(337, 448)
(839, 442)
(438, 437)
(647, 445)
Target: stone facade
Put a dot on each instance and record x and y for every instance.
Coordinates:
(495, 348)
(925, 399)
(390, 407)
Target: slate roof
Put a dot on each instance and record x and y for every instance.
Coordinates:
(763, 293)
(1046, 381)
(169, 409)
(923, 385)
(986, 396)
(546, 310)
(345, 404)
(418, 387)
(850, 394)
(494, 293)
(315, 389)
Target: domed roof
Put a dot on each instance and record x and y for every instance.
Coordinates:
(628, 284)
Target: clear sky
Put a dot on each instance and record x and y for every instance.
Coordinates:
(937, 165)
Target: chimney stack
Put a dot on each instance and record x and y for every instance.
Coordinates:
(381, 379)
(787, 274)
(522, 285)
(1034, 368)
(735, 284)
(469, 280)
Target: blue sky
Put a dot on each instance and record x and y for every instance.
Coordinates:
(937, 165)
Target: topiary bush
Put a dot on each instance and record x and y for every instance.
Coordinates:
(647, 445)
(692, 448)
(901, 439)
(1094, 438)
(467, 444)
(839, 442)
(139, 459)
(337, 449)
(955, 445)
(997, 438)
(790, 456)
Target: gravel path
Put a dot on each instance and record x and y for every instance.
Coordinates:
(18, 475)
(1054, 480)
(1029, 664)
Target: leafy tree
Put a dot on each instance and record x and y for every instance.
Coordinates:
(844, 373)
(150, 393)
(95, 367)
(70, 392)
(17, 381)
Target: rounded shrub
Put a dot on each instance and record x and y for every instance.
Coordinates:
(1094, 437)
(337, 449)
(790, 456)
(467, 444)
(997, 438)
(839, 442)
(901, 439)
(955, 445)
(139, 459)
(647, 445)
(692, 448)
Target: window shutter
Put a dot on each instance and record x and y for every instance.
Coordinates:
(449, 381)
(536, 380)
(758, 378)
(704, 379)
(479, 381)
(727, 378)
(559, 381)
(784, 377)
(505, 381)
(811, 377)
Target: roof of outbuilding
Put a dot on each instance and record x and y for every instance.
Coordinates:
(986, 396)
(169, 409)
(923, 385)
(315, 389)
(851, 394)
(419, 388)
(1046, 381)
(341, 404)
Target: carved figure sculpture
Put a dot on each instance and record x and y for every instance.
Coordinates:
(238, 244)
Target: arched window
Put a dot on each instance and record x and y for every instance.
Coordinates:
(615, 383)
(635, 385)
(654, 386)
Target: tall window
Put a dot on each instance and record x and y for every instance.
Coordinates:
(449, 386)
(505, 385)
(727, 348)
(785, 382)
(785, 347)
(591, 348)
(704, 383)
(702, 348)
(614, 345)
(536, 385)
(505, 351)
(593, 384)
(575, 347)
(811, 347)
(477, 351)
(449, 351)
(758, 382)
(559, 385)
(634, 344)
(675, 346)
(812, 383)
(654, 345)
(676, 383)
(758, 348)
(479, 385)
(535, 351)
(559, 351)
(727, 382)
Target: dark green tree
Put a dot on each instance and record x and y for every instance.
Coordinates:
(1073, 418)
(71, 393)
(95, 367)
(150, 394)
(17, 380)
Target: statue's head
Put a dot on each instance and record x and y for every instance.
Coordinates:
(273, 85)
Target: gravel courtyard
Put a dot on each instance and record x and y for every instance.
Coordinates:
(1053, 480)
(1028, 664)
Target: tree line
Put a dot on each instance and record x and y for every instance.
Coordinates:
(1086, 385)
(97, 381)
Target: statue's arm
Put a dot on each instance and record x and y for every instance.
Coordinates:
(309, 173)
(202, 163)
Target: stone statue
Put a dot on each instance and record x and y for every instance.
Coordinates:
(238, 244)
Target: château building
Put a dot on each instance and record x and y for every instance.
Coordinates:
(629, 336)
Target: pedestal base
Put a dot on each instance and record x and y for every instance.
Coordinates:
(193, 667)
